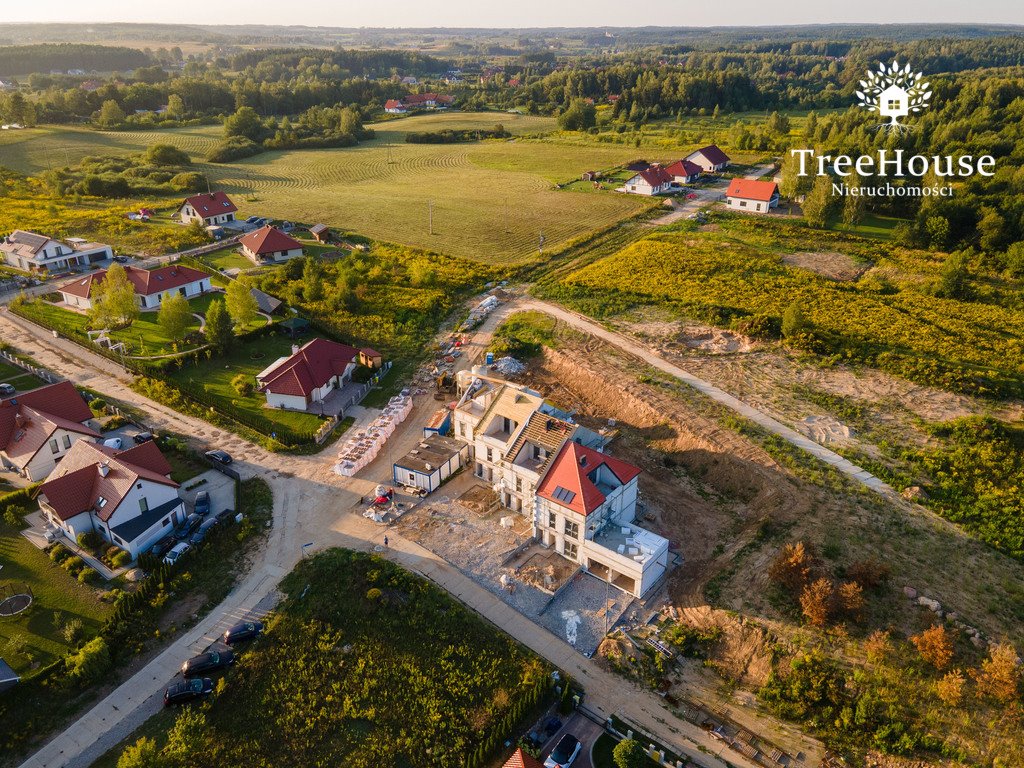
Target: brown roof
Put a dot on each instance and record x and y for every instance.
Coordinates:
(269, 239)
(210, 204)
(752, 189)
(656, 176)
(714, 155)
(146, 282)
(520, 759)
(683, 168)
(28, 420)
(94, 477)
(546, 431)
(308, 369)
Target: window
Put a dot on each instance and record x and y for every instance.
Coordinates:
(570, 550)
(519, 484)
(143, 504)
(139, 486)
(757, 207)
(54, 447)
(743, 203)
(412, 477)
(67, 441)
(552, 520)
(572, 530)
(166, 522)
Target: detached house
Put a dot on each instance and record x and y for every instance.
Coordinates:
(211, 208)
(32, 252)
(151, 286)
(39, 427)
(653, 180)
(710, 159)
(269, 245)
(683, 171)
(309, 374)
(751, 195)
(541, 464)
(127, 497)
(418, 101)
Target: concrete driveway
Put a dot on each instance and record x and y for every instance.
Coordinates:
(220, 487)
(587, 731)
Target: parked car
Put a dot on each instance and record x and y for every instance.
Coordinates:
(189, 690)
(142, 437)
(202, 505)
(207, 662)
(246, 630)
(7, 389)
(253, 220)
(163, 546)
(124, 259)
(177, 552)
(219, 456)
(225, 515)
(187, 528)
(114, 442)
(565, 752)
(204, 530)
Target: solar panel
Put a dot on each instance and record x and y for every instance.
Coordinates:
(564, 494)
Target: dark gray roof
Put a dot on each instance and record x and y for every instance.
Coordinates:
(316, 229)
(131, 529)
(7, 675)
(434, 450)
(265, 301)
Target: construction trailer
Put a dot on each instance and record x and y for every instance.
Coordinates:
(439, 424)
(430, 463)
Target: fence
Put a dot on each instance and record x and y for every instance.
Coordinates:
(42, 373)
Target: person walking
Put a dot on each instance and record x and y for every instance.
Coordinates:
(385, 542)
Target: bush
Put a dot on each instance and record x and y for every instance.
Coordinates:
(242, 384)
(98, 406)
(90, 540)
(628, 753)
(73, 564)
(234, 148)
(59, 553)
(188, 182)
(166, 154)
(91, 662)
(87, 575)
(120, 559)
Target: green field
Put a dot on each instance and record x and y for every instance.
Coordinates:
(22, 380)
(491, 200)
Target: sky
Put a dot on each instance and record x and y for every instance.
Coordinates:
(519, 13)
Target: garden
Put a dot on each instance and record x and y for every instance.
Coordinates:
(366, 664)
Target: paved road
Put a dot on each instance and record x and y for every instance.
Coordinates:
(312, 504)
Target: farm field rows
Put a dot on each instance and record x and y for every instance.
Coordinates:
(491, 200)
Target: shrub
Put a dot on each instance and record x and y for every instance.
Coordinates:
(234, 148)
(73, 564)
(87, 575)
(188, 182)
(629, 754)
(90, 540)
(98, 406)
(59, 553)
(242, 384)
(90, 663)
(121, 558)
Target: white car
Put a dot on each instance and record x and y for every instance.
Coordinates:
(177, 552)
(114, 442)
(565, 752)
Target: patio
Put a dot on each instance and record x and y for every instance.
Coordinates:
(42, 534)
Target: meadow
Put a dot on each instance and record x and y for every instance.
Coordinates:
(489, 201)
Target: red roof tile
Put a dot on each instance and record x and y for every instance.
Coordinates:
(683, 169)
(520, 759)
(269, 239)
(656, 176)
(571, 471)
(752, 189)
(146, 282)
(211, 204)
(60, 399)
(308, 369)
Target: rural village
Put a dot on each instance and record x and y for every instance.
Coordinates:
(595, 433)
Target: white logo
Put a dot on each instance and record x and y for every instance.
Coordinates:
(894, 93)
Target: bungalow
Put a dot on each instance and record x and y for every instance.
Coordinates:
(33, 252)
(210, 208)
(683, 171)
(418, 101)
(308, 375)
(752, 195)
(269, 245)
(395, 107)
(151, 286)
(653, 180)
(710, 159)
(127, 497)
(39, 427)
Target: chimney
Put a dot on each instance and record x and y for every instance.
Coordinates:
(583, 461)
(104, 469)
(295, 349)
(19, 419)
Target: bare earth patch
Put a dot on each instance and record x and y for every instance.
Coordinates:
(835, 266)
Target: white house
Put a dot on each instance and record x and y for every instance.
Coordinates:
(683, 171)
(653, 180)
(151, 286)
(211, 208)
(127, 497)
(39, 427)
(710, 159)
(308, 375)
(269, 245)
(32, 252)
(431, 462)
(752, 196)
(395, 107)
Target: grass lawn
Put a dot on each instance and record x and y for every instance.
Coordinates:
(59, 599)
(249, 357)
(873, 226)
(226, 258)
(601, 756)
(21, 379)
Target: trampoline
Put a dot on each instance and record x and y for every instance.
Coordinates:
(14, 598)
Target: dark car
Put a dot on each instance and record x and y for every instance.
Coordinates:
(221, 457)
(207, 662)
(246, 630)
(225, 515)
(565, 752)
(143, 437)
(204, 530)
(121, 259)
(187, 528)
(162, 547)
(7, 389)
(189, 690)
(202, 505)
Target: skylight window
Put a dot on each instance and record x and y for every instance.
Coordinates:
(564, 494)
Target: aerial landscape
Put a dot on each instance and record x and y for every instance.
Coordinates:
(446, 385)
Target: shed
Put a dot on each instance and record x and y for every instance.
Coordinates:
(320, 232)
(371, 358)
(295, 326)
(431, 462)
(8, 677)
(438, 424)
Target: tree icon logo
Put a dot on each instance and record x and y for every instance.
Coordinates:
(894, 92)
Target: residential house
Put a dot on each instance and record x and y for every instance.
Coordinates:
(151, 286)
(8, 85)
(418, 101)
(521, 759)
(541, 464)
(127, 497)
(653, 180)
(683, 171)
(395, 107)
(33, 252)
(308, 375)
(752, 196)
(269, 245)
(211, 208)
(710, 159)
(89, 85)
(39, 427)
